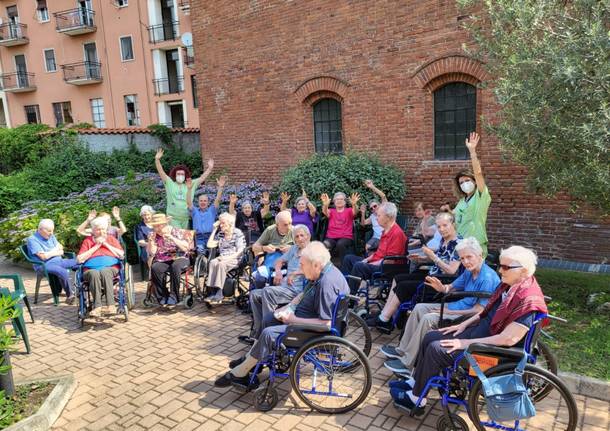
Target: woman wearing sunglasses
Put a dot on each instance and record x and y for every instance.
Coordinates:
(372, 244)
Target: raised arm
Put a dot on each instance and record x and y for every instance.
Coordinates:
(220, 182)
(207, 171)
(369, 184)
(116, 213)
(232, 202)
(266, 204)
(189, 194)
(82, 228)
(325, 203)
(117, 251)
(354, 198)
(159, 167)
(285, 197)
(364, 221)
(471, 144)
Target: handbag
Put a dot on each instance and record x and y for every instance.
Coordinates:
(506, 396)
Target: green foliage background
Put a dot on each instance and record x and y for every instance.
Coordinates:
(550, 60)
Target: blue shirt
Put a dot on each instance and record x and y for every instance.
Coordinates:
(293, 259)
(319, 298)
(203, 221)
(37, 243)
(486, 281)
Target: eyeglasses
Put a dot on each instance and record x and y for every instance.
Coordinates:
(508, 267)
(373, 207)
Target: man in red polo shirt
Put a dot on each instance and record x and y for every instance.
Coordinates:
(392, 242)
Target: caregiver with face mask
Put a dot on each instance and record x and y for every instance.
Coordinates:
(176, 190)
(471, 211)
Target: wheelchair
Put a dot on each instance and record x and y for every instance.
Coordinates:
(320, 363)
(458, 385)
(85, 300)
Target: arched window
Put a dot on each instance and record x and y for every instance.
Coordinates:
(327, 126)
(455, 113)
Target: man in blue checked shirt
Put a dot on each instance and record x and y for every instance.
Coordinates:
(477, 277)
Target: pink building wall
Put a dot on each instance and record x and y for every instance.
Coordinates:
(119, 78)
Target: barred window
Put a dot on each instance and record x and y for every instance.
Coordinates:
(97, 112)
(63, 113)
(126, 48)
(32, 114)
(455, 107)
(49, 60)
(327, 126)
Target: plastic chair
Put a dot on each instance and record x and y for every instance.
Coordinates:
(19, 294)
(41, 273)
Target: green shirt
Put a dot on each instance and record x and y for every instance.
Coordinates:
(175, 195)
(272, 237)
(471, 217)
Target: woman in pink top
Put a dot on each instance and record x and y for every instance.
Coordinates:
(340, 232)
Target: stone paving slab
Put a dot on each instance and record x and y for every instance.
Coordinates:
(156, 372)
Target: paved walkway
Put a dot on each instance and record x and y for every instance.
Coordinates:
(156, 372)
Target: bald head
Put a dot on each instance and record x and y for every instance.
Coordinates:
(283, 222)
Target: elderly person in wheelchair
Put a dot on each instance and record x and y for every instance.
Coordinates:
(263, 302)
(231, 244)
(100, 252)
(505, 320)
(313, 306)
(477, 277)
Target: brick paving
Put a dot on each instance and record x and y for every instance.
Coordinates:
(156, 372)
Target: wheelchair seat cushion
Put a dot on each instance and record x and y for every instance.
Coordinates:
(298, 335)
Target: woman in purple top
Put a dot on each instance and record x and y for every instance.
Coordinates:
(303, 211)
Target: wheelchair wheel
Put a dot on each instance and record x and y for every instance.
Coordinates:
(200, 270)
(553, 401)
(444, 423)
(546, 359)
(358, 332)
(126, 313)
(130, 295)
(330, 375)
(265, 398)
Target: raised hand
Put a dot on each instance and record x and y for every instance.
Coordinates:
(233, 198)
(116, 213)
(265, 199)
(354, 198)
(368, 183)
(362, 208)
(221, 181)
(159, 154)
(473, 141)
(325, 199)
(435, 283)
(211, 164)
(189, 183)
(304, 194)
(92, 215)
(285, 197)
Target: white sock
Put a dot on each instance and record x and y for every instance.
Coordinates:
(414, 399)
(383, 318)
(244, 368)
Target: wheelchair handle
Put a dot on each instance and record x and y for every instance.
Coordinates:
(559, 319)
(353, 297)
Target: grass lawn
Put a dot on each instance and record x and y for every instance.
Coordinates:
(583, 344)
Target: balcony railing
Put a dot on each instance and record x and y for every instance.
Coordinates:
(17, 82)
(189, 56)
(75, 21)
(163, 32)
(176, 124)
(172, 85)
(82, 73)
(12, 33)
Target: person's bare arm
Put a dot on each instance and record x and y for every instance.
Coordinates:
(285, 197)
(84, 256)
(207, 172)
(369, 184)
(118, 252)
(151, 245)
(189, 194)
(220, 182)
(232, 202)
(116, 213)
(471, 144)
(159, 167)
(266, 204)
(508, 337)
(364, 220)
(354, 198)
(82, 228)
(325, 204)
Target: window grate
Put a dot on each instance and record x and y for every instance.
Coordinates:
(454, 118)
(327, 126)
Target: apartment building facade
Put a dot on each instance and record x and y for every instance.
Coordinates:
(111, 63)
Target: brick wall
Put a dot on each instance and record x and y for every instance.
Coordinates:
(261, 64)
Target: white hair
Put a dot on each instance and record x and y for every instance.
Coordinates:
(229, 218)
(99, 222)
(526, 257)
(146, 209)
(469, 243)
(339, 195)
(299, 199)
(46, 223)
(316, 252)
(286, 215)
(389, 209)
(301, 227)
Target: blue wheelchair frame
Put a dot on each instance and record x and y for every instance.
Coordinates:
(84, 303)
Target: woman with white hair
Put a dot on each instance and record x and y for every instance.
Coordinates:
(143, 230)
(340, 232)
(100, 252)
(504, 321)
(231, 244)
(248, 219)
(477, 277)
(303, 212)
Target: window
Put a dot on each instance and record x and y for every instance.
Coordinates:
(131, 109)
(120, 3)
(49, 60)
(32, 114)
(126, 48)
(455, 107)
(63, 113)
(194, 91)
(42, 11)
(327, 126)
(97, 112)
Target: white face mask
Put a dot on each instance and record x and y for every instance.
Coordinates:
(179, 179)
(467, 187)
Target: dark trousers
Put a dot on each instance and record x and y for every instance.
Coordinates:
(432, 358)
(61, 270)
(338, 247)
(175, 268)
(101, 279)
(353, 265)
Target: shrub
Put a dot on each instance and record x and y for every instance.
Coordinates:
(343, 173)
(22, 146)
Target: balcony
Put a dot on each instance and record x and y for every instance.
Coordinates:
(17, 82)
(189, 56)
(12, 34)
(75, 21)
(177, 124)
(172, 85)
(163, 32)
(82, 73)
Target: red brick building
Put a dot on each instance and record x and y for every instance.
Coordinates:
(377, 66)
